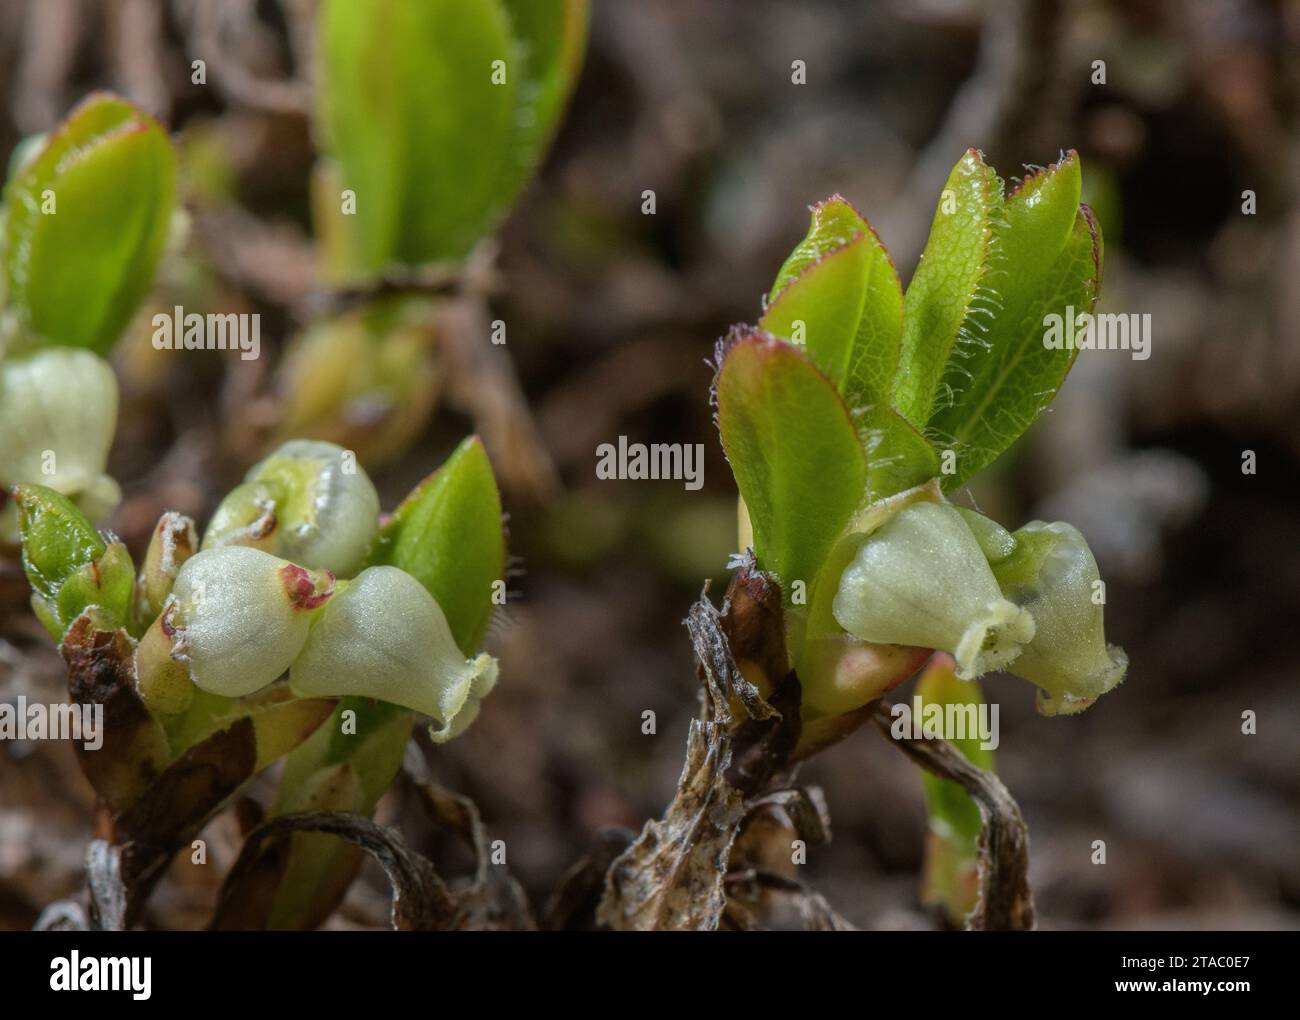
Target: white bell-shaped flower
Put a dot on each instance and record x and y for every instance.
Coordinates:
(922, 579)
(385, 637)
(242, 616)
(58, 410)
(1068, 658)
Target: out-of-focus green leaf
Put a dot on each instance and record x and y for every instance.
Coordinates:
(950, 287)
(435, 113)
(85, 222)
(366, 379)
(552, 37)
(794, 451)
(416, 123)
(950, 875)
(1051, 263)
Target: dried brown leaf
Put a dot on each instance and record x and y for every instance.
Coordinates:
(1006, 902)
(134, 750)
(421, 900)
(494, 900)
(573, 906)
(671, 877)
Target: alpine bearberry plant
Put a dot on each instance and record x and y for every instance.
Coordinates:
(854, 411)
(853, 414)
(373, 624)
(301, 624)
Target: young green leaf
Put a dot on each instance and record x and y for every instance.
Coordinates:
(838, 294)
(436, 112)
(333, 770)
(68, 563)
(820, 308)
(405, 88)
(85, 223)
(950, 877)
(552, 35)
(1052, 256)
(58, 539)
(835, 223)
(447, 534)
(794, 450)
(951, 286)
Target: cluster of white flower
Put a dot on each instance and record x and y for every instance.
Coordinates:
(270, 593)
(943, 577)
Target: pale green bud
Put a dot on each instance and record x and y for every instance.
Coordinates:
(308, 502)
(385, 637)
(1053, 576)
(58, 409)
(844, 673)
(173, 542)
(241, 617)
(921, 579)
(995, 541)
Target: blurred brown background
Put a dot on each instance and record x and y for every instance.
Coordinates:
(611, 314)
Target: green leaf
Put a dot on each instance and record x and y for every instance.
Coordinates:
(447, 534)
(948, 802)
(68, 563)
(434, 148)
(821, 307)
(86, 221)
(330, 771)
(950, 875)
(794, 450)
(107, 584)
(58, 539)
(1052, 261)
(552, 37)
(840, 285)
(950, 286)
(835, 223)
(839, 294)
(898, 456)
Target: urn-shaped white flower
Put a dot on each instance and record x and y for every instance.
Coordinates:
(384, 636)
(241, 617)
(1068, 658)
(309, 502)
(922, 579)
(58, 409)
